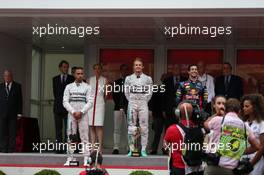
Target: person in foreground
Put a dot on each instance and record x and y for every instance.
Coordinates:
(253, 114)
(218, 109)
(95, 165)
(175, 137)
(230, 137)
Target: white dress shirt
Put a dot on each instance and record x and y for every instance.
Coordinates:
(208, 81)
(9, 86)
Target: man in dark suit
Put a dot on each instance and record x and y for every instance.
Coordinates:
(156, 110)
(120, 107)
(231, 86)
(171, 85)
(60, 114)
(10, 109)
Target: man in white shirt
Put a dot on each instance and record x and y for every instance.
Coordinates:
(138, 91)
(77, 100)
(207, 81)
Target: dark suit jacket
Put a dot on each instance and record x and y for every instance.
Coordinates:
(58, 90)
(169, 95)
(154, 104)
(119, 97)
(10, 105)
(234, 90)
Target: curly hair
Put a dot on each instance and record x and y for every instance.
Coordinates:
(257, 101)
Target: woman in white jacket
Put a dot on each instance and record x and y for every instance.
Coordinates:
(97, 113)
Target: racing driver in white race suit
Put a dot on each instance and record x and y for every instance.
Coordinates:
(77, 100)
(138, 91)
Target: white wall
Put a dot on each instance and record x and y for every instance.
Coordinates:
(15, 55)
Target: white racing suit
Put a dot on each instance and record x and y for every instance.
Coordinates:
(138, 91)
(78, 98)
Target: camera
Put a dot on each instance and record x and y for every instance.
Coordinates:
(211, 158)
(199, 116)
(244, 167)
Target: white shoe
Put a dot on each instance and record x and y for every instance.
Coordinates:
(67, 163)
(86, 161)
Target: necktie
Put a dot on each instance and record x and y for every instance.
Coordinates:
(7, 89)
(63, 79)
(226, 82)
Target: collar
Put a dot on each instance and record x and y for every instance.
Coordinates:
(192, 81)
(232, 114)
(78, 84)
(203, 76)
(250, 122)
(10, 84)
(140, 75)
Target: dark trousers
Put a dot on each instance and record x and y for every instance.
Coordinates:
(177, 171)
(181, 171)
(157, 126)
(8, 134)
(60, 119)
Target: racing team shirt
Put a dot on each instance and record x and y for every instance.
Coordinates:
(192, 91)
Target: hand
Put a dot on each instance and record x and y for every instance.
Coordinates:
(74, 114)
(77, 115)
